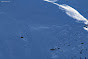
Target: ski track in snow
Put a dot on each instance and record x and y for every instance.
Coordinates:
(70, 12)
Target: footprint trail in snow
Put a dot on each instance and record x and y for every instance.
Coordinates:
(71, 12)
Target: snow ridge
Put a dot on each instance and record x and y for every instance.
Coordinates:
(70, 12)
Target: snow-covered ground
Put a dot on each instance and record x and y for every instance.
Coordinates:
(40, 30)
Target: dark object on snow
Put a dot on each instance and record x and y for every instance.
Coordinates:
(85, 57)
(82, 43)
(81, 52)
(86, 26)
(58, 48)
(53, 49)
(21, 37)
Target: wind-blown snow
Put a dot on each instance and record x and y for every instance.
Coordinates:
(50, 0)
(70, 12)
